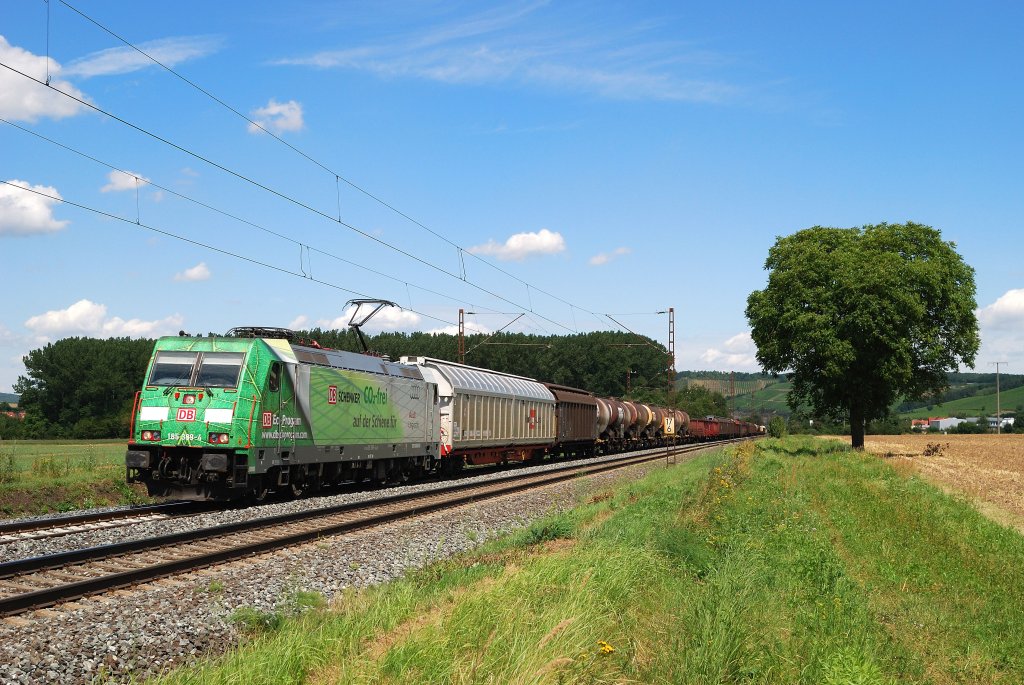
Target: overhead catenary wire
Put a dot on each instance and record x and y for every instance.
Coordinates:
(338, 177)
(321, 165)
(484, 341)
(279, 194)
(646, 341)
(208, 246)
(303, 246)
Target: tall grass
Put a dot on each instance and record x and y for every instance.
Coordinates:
(797, 561)
(38, 476)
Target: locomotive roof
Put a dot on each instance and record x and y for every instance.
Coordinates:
(340, 359)
(484, 381)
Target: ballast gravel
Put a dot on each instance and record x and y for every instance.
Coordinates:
(150, 629)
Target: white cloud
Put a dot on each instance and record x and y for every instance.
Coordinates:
(124, 60)
(1001, 324)
(299, 323)
(199, 272)
(605, 257)
(387, 319)
(523, 245)
(89, 318)
(22, 99)
(1005, 312)
(481, 65)
(278, 117)
(123, 180)
(735, 354)
(26, 213)
(506, 46)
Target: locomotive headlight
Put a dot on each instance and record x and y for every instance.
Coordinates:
(150, 435)
(218, 438)
(189, 399)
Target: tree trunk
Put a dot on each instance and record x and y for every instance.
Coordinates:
(856, 426)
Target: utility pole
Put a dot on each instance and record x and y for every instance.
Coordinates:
(999, 420)
(732, 392)
(462, 336)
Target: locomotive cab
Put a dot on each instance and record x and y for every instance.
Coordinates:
(190, 425)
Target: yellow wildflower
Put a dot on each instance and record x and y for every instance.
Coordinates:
(605, 647)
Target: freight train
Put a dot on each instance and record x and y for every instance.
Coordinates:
(259, 411)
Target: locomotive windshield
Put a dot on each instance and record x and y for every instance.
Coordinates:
(219, 370)
(206, 369)
(173, 368)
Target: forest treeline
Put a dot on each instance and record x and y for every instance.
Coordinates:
(83, 388)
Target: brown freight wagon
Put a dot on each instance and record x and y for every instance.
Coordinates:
(576, 421)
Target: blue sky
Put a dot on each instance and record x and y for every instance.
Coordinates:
(566, 159)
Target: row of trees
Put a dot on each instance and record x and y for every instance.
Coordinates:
(84, 387)
(79, 388)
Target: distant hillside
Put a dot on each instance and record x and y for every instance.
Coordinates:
(973, 394)
(9, 397)
(771, 399)
(1010, 401)
(755, 393)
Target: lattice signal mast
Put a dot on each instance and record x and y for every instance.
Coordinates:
(671, 348)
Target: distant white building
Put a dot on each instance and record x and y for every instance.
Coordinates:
(945, 424)
(1006, 421)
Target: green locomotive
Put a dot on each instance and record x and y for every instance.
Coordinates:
(257, 410)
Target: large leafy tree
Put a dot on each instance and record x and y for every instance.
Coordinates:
(864, 316)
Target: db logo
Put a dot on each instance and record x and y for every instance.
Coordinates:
(187, 414)
(268, 419)
(332, 394)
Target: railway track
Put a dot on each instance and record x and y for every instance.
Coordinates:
(79, 523)
(39, 582)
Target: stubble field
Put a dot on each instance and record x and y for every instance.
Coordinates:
(988, 469)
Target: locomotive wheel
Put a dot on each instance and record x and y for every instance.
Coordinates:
(260, 492)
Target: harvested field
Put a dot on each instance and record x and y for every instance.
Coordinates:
(989, 469)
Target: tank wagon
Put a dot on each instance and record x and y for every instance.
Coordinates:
(258, 410)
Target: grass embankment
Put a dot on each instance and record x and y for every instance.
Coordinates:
(38, 476)
(796, 561)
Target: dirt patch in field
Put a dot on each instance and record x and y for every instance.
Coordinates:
(987, 468)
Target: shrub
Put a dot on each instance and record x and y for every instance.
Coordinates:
(254, 622)
(8, 469)
(777, 427)
(968, 427)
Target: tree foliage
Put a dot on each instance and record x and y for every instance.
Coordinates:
(84, 387)
(597, 361)
(864, 316)
(777, 427)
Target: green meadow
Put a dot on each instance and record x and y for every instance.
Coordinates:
(39, 476)
(792, 561)
(977, 405)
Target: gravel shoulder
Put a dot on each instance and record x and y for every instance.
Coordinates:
(154, 627)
